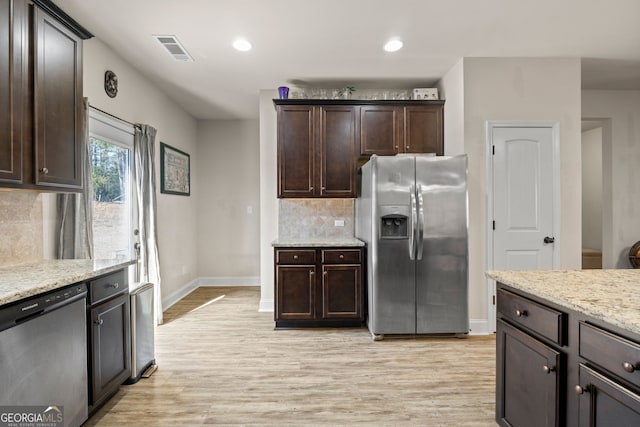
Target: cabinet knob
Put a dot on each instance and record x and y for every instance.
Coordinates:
(548, 369)
(521, 313)
(397, 147)
(628, 367)
(580, 390)
(406, 147)
(44, 170)
(99, 322)
(113, 285)
(341, 256)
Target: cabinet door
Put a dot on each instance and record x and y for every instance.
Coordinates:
(295, 292)
(13, 66)
(111, 347)
(57, 103)
(423, 129)
(530, 377)
(341, 291)
(381, 130)
(296, 174)
(604, 402)
(337, 141)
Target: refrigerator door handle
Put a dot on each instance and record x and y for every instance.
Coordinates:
(420, 214)
(414, 220)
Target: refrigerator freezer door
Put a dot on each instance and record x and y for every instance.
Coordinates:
(442, 273)
(392, 284)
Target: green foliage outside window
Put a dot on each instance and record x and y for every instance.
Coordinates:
(110, 168)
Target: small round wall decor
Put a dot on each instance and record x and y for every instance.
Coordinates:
(111, 83)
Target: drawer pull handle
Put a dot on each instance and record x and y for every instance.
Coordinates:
(521, 313)
(295, 257)
(99, 322)
(628, 367)
(548, 370)
(113, 285)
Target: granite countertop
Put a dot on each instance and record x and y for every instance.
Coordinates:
(609, 295)
(26, 280)
(318, 242)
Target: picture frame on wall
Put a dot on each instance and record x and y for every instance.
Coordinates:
(175, 171)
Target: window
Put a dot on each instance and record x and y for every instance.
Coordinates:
(111, 148)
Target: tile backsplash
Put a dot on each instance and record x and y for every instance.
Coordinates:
(315, 218)
(21, 227)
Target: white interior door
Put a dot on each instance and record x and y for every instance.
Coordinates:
(523, 198)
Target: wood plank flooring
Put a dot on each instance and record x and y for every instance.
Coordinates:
(220, 362)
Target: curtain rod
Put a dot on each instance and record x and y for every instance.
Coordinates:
(115, 117)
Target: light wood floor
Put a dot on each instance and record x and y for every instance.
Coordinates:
(221, 362)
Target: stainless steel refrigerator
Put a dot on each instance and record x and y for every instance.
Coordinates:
(412, 211)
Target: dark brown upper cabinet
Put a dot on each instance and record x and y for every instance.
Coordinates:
(393, 129)
(13, 78)
(316, 151)
(321, 142)
(41, 141)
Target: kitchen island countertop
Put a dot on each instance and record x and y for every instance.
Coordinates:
(317, 242)
(609, 295)
(25, 280)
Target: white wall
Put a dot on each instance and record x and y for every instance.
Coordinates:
(514, 89)
(592, 189)
(268, 196)
(229, 200)
(139, 101)
(621, 157)
(451, 88)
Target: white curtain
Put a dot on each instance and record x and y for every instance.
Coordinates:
(144, 173)
(75, 210)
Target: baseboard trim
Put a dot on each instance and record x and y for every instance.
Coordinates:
(479, 327)
(266, 305)
(229, 281)
(177, 295)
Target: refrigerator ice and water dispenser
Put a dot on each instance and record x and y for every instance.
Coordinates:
(393, 226)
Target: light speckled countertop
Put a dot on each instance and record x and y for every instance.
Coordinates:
(612, 296)
(319, 242)
(25, 280)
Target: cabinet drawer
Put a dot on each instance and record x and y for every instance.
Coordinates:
(107, 286)
(617, 355)
(341, 256)
(295, 257)
(540, 319)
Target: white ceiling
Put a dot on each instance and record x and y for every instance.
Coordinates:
(331, 43)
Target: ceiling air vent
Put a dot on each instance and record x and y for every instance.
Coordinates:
(174, 47)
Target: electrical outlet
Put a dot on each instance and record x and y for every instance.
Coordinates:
(338, 223)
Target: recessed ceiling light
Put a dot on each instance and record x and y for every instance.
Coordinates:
(393, 45)
(242, 45)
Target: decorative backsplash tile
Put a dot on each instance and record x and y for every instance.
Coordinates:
(315, 218)
(21, 232)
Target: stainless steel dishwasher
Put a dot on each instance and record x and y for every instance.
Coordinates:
(43, 353)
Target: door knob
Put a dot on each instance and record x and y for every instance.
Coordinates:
(549, 239)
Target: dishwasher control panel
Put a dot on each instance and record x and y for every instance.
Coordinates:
(18, 312)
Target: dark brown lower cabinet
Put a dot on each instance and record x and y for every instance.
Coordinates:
(529, 380)
(303, 297)
(109, 336)
(556, 366)
(605, 402)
